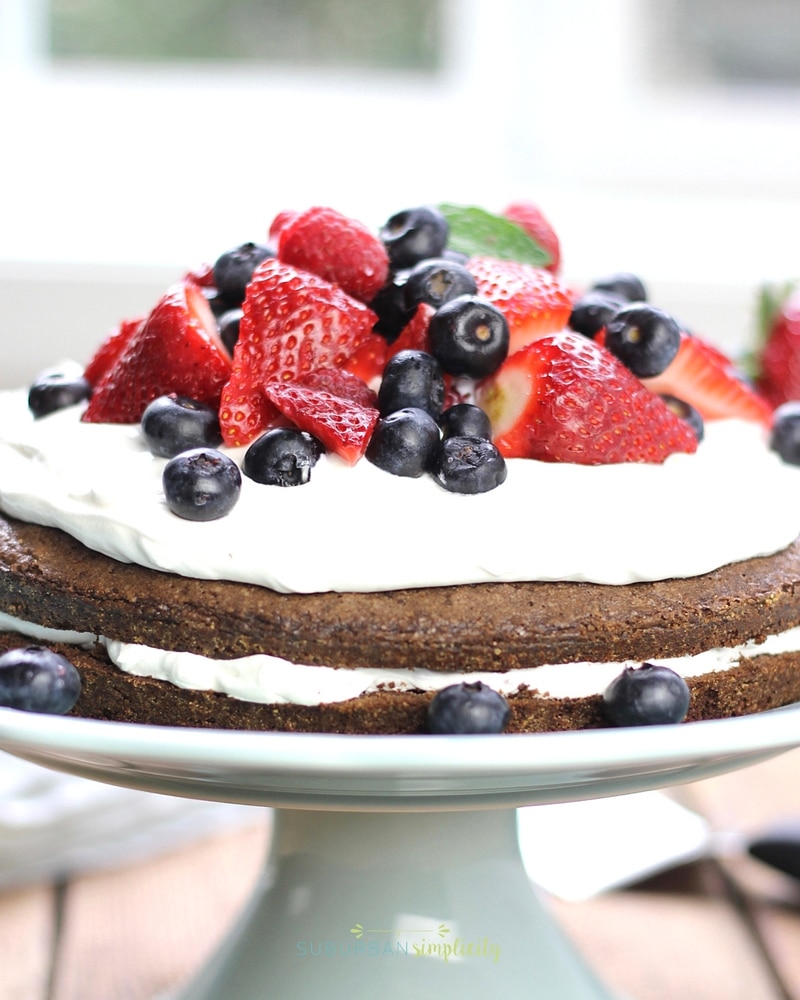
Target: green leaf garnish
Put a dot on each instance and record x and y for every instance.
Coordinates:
(476, 232)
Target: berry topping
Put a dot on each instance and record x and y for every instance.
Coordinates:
(469, 336)
(465, 420)
(467, 709)
(343, 427)
(342, 383)
(414, 235)
(172, 424)
(648, 695)
(785, 436)
(294, 323)
(283, 456)
(341, 250)
(564, 398)
(688, 413)
(435, 282)
(201, 484)
(389, 305)
(233, 271)
(107, 354)
(533, 301)
(644, 338)
(706, 379)
(412, 379)
(628, 286)
(228, 325)
(55, 390)
(404, 443)
(592, 311)
(530, 218)
(778, 358)
(37, 679)
(177, 349)
(468, 465)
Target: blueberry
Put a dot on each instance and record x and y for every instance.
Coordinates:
(465, 420)
(414, 234)
(628, 286)
(234, 269)
(201, 484)
(37, 679)
(785, 437)
(404, 443)
(436, 281)
(648, 695)
(645, 339)
(228, 325)
(411, 378)
(469, 336)
(283, 456)
(54, 390)
(468, 708)
(172, 424)
(686, 412)
(390, 307)
(468, 465)
(592, 311)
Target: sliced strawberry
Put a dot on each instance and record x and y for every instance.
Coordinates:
(414, 335)
(339, 249)
(778, 360)
(177, 349)
(533, 300)
(293, 323)
(532, 220)
(202, 276)
(108, 353)
(368, 362)
(340, 383)
(704, 377)
(563, 398)
(344, 427)
(278, 224)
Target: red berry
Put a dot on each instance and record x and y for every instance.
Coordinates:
(293, 323)
(339, 249)
(340, 383)
(177, 349)
(779, 361)
(107, 354)
(529, 217)
(563, 398)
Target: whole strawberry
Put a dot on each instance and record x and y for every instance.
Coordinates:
(564, 398)
(293, 323)
(334, 247)
(533, 300)
(778, 363)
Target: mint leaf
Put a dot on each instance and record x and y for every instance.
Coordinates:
(474, 232)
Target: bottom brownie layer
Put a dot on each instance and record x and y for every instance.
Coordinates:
(756, 685)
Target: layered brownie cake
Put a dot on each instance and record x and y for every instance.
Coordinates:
(436, 487)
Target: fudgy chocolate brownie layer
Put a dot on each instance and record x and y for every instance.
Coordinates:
(49, 578)
(755, 686)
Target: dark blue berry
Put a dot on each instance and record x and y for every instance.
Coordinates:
(404, 443)
(628, 286)
(201, 484)
(411, 378)
(592, 311)
(56, 390)
(233, 271)
(465, 420)
(468, 465)
(283, 456)
(469, 336)
(468, 708)
(785, 437)
(37, 679)
(686, 412)
(172, 424)
(414, 234)
(389, 305)
(645, 339)
(228, 324)
(648, 695)
(436, 281)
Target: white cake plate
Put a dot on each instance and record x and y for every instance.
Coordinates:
(394, 869)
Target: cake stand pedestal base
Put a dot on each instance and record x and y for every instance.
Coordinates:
(398, 906)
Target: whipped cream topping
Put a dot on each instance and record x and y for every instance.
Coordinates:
(272, 680)
(361, 529)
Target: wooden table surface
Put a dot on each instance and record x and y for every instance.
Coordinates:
(723, 929)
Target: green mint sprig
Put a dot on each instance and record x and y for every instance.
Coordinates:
(476, 232)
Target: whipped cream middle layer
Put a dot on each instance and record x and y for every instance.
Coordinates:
(271, 680)
(361, 529)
